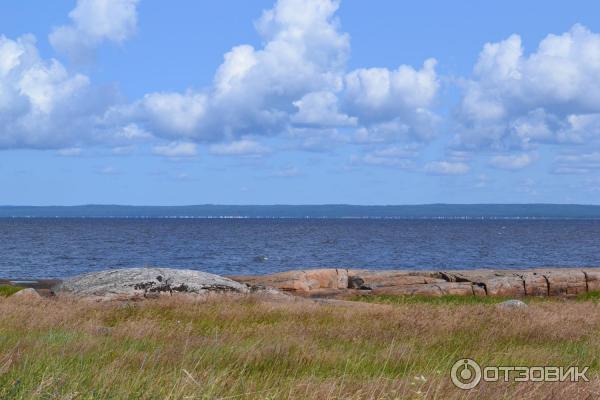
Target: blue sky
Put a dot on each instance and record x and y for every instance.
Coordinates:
(299, 102)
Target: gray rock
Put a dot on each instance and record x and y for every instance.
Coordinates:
(147, 282)
(512, 304)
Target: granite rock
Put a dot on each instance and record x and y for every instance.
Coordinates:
(147, 283)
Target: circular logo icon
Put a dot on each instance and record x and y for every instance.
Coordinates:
(465, 374)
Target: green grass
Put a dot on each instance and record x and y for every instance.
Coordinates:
(418, 299)
(589, 296)
(593, 297)
(6, 290)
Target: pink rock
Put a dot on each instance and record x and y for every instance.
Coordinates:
(301, 280)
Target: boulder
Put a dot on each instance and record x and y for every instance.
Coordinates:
(508, 304)
(27, 293)
(146, 282)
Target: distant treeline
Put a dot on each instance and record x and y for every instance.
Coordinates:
(309, 211)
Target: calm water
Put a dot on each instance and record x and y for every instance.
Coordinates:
(59, 248)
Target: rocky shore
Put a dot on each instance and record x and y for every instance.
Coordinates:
(329, 282)
(480, 282)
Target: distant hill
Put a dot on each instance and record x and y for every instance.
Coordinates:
(309, 211)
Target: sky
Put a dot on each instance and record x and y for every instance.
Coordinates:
(299, 102)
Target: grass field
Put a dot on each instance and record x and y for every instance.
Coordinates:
(225, 348)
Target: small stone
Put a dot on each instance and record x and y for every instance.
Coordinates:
(512, 304)
(28, 293)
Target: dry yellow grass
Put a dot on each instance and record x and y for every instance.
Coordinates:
(227, 348)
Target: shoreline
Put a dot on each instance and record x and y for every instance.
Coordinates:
(341, 282)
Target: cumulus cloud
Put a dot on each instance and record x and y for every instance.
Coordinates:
(176, 150)
(519, 101)
(93, 22)
(43, 105)
(512, 161)
(296, 80)
(254, 90)
(446, 168)
(244, 147)
(402, 96)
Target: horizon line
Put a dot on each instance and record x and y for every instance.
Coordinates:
(297, 205)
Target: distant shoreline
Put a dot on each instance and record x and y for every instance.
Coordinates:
(141, 217)
(335, 211)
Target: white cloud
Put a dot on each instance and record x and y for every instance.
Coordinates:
(170, 114)
(320, 109)
(95, 21)
(379, 94)
(244, 147)
(549, 96)
(42, 105)
(512, 161)
(176, 150)
(446, 168)
(132, 132)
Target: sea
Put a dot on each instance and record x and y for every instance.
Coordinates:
(63, 247)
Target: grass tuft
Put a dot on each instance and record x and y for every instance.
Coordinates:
(589, 296)
(419, 299)
(6, 290)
